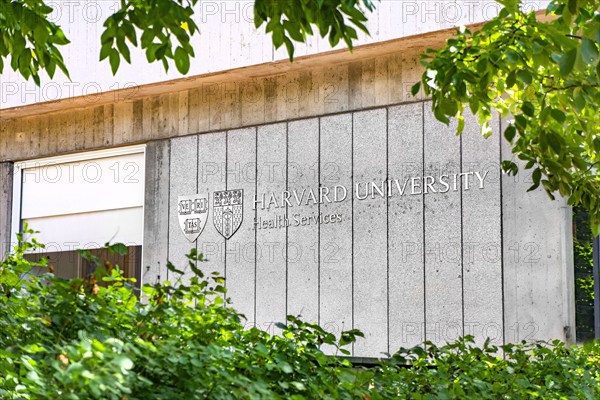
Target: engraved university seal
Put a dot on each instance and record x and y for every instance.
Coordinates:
(228, 211)
(192, 212)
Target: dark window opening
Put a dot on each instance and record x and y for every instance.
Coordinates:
(69, 264)
(585, 252)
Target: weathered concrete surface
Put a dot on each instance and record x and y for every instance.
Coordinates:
(406, 268)
(303, 241)
(240, 257)
(537, 257)
(271, 249)
(482, 236)
(212, 176)
(6, 182)
(443, 241)
(183, 181)
(335, 251)
(370, 236)
(487, 260)
(156, 212)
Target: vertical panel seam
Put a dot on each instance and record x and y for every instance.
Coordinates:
(169, 209)
(197, 184)
(8, 223)
(352, 213)
(387, 222)
(21, 178)
(462, 223)
(319, 225)
(226, 188)
(287, 153)
(255, 217)
(423, 210)
(501, 230)
(189, 107)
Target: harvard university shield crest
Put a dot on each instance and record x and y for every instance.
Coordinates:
(228, 211)
(192, 211)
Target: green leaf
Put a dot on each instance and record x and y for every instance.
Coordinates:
(511, 6)
(415, 88)
(117, 248)
(558, 115)
(277, 38)
(461, 124)
(123, 49)
(589, 51)
(528, 109)
(115, 60)
(567, 61)
(555, 141)
(524, 76)
(161, 51)
(105, 51)
(579, 99)
(60, 38)
(510, 132)
(512, 56)
(289, 45)
(182, 60)
(50, 68)
(510, 167)
(536, 176)
(511, 79)
(123, 363)
(172, 268)
(474, 104)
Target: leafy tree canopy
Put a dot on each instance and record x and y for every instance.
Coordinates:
(543, 77)
(30, 42)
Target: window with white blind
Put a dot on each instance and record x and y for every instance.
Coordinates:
(82, 201)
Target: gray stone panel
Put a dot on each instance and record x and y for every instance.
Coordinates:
(406, 268)
(240, 256)
(303, 232)
(370, 233)
(443, 250)
(401, 268)
(184, 181)
(538, 268)
(156, 212)
(271, 241)
(212, 177)
(335, 240)
(6, 182)
(482, 246)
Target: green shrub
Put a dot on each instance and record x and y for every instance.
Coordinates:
(462, 370)
(78, 339)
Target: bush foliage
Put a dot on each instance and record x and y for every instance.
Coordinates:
(94, 338)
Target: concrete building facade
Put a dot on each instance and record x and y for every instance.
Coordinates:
(318, 188)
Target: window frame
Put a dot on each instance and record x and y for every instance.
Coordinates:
(19, 166)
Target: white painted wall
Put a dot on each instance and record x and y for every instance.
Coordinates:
(82, 186)
(228, 40)
(82, 200)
